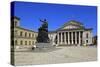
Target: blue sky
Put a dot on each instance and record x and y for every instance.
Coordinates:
(30, 13)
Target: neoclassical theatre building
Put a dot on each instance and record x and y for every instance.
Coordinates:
(72, 33)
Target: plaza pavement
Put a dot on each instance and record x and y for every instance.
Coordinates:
(61, 54)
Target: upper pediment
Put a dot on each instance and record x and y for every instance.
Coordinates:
(72, 25)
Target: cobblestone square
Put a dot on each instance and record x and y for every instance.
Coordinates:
(61, 54)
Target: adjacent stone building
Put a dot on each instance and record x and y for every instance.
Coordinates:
(21, 36)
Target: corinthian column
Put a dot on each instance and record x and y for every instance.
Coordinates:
(65, 37)
(79, 40)
(57, 38)
(68, 38)
(61, 38)
(75, 37)
(72, 37)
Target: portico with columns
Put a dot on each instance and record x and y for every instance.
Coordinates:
(72, 33)
(69, 37)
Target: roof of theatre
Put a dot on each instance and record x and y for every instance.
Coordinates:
(72, 23)
(76, 26)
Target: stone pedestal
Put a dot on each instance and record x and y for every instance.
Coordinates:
(43, 45)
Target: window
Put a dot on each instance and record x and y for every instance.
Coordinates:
(25, 42)
(21, 42)
(29, 35)
(87, 35)
(25, 34)
(29, 42)
(21, 33)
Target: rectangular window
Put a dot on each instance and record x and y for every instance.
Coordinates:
(21, 33)
(21, 42)
(29, 42)
(25, 34)
(25, 42)
(29, 34)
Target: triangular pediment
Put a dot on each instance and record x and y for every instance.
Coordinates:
(72, 25)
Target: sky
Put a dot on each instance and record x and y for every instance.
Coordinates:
(56, 14)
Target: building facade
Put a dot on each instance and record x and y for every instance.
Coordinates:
(71, 33)
(21, 36)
